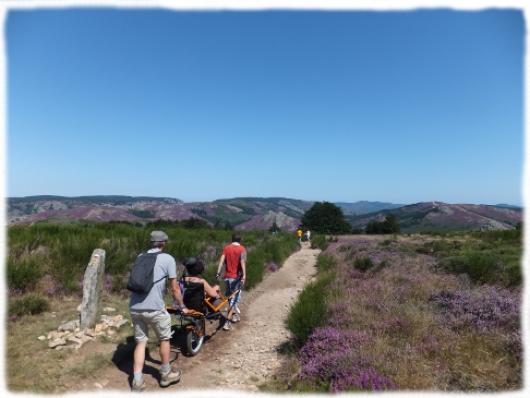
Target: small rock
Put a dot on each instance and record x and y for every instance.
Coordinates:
(121, 323)
(97, 385)
(100, 327)
(90, 332)
(77, 343)
(109, 309)
(69, 326)
(56, 342)
(42, 338)
(74, 340)
(111, 332)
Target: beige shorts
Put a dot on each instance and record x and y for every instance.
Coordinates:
(160, 321)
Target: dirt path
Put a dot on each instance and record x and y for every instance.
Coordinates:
(246, 356)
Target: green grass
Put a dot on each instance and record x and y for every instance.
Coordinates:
(319, 242)
(486, 257)
(63, 250)
(310, 309)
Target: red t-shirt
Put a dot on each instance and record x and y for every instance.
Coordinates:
(233, 256)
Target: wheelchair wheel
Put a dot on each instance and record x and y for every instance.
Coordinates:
(193, 341)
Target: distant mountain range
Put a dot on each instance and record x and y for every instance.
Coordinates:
(438, 216)
(255, 213)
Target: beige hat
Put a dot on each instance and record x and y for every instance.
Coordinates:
(159, 236)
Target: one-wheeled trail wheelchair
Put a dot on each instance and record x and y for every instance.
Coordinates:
(192, 326)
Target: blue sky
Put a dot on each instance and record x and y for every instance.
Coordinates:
(342, 106)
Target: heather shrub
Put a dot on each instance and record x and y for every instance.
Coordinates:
(483, 308)
(363, 263)
(309, 311)
(332, 360)
(28, 305)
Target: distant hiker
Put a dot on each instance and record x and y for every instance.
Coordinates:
(299, 234)
(234, 258)
(308, 235)
(192, 281)
(148, 309)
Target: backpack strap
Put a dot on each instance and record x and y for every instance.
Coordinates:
(165, 276)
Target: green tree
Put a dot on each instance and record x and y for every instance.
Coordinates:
(325, 218)
(389, 226)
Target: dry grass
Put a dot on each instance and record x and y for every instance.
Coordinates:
(33, 367)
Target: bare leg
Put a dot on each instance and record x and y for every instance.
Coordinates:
(139, 356)
(164, 351)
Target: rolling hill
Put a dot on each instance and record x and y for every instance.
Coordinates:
(438, 216)
(247, 213)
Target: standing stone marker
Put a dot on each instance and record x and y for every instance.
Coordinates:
(92, 290)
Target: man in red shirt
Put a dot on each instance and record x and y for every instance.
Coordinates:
(234, 258)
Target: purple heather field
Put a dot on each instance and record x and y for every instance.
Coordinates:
(405, 325)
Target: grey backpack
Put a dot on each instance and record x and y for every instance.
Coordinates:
(141, 278)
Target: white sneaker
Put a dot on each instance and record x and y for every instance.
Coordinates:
(235, 318)
(227, 325)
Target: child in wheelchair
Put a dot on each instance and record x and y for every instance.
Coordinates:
(196, 288)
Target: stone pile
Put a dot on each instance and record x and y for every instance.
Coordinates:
(69, 335)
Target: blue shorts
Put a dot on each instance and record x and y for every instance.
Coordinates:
(232, 285)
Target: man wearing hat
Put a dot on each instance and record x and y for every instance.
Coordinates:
(148, 310)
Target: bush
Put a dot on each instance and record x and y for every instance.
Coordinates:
(29, 305)
(363, 263)
(326, 262)
(480, 267)
(24, 275)
(310, 310)
(319, 242)
(389, 226)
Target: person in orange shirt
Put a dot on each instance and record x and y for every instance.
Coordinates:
(234, 258)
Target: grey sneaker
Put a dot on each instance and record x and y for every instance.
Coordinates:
(227, 325)
(235, 318)
(173, 376)
(140, 386)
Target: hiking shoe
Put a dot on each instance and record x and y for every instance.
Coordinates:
(236, 318)
(173, 376)
(227, 325)
(138, 387)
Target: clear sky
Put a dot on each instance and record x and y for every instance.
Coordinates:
(341, 106)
